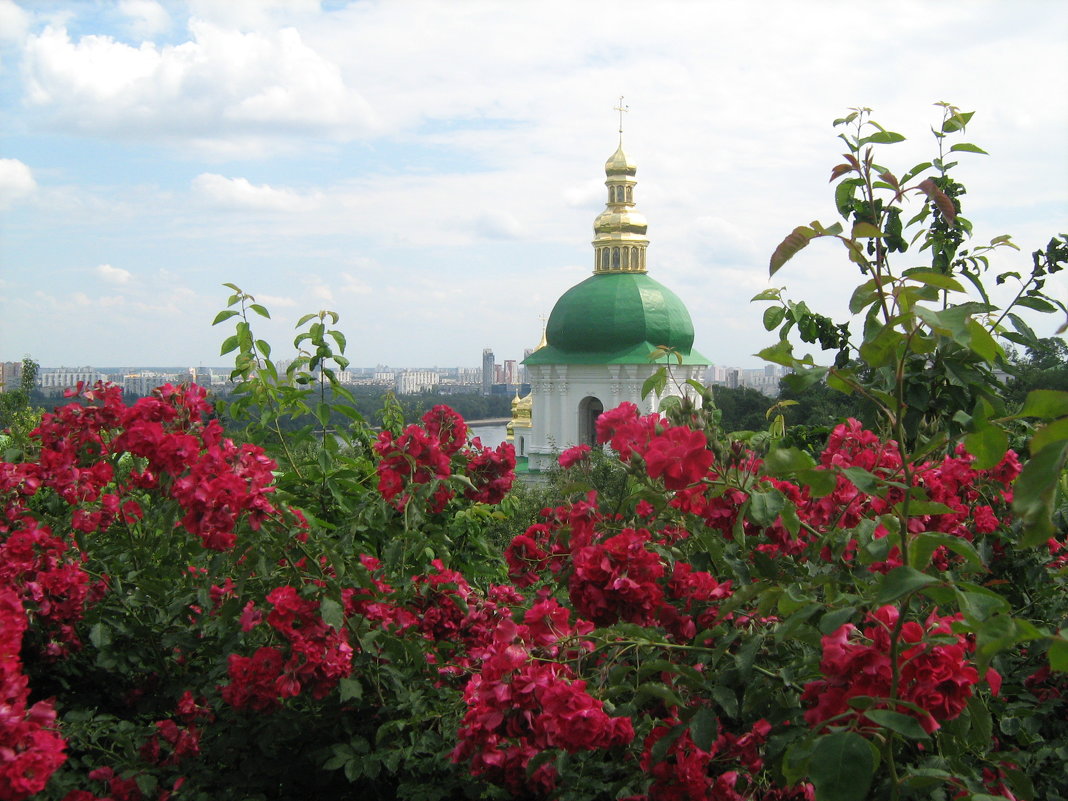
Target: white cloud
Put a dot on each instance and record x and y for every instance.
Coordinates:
(113, 275)
(497, 224)
(271, 301)
(146, 18)
(354, 286)
(13, 21)
(219, 86)
(239, 193)
(16, 182)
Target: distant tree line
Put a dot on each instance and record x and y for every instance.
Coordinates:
(819, 408)
(371, 400)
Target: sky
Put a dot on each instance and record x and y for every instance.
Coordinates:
(431, 170)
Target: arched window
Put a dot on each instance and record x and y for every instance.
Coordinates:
(590, 408)
(604, 258)
(615, 258)
(630, 194)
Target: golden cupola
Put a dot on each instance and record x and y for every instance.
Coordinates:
(619, 241)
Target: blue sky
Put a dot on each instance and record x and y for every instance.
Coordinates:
(431, 170)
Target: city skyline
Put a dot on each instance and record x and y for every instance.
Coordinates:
(436, 184)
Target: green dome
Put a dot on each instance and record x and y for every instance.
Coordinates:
(616, 319)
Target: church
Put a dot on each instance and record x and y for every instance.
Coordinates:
(595, 349)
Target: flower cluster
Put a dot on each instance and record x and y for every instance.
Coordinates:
(430, 453)
(519, 705)
(30, 748)
(617, 579)
(677, 455)
(970, 498)
(725, 771)
(935, 678)
(318, 657)
(214, 482)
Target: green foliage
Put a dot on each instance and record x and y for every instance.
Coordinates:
(18, 414)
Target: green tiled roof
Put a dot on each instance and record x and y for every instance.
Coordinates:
(616, 319)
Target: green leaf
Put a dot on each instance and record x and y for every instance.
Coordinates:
(866, 230)
(863, 296)
(767, 294)
(785, 461)
(100, 635)
(727, 700)
(350, 689)
(1049, 435)
(967, 147)
(981, 341)
(979, 603)
(834, 619)
(820, 483)
(1045, 403)
(842, 767)
(864, 481)
(794, 242)
(332, 613)
(1034, 491)
(773, 315)
(905, 725)
(765, 507)
(925, 544)
(881, 138)
(703, 727)
(922, 778)
(982, 723)
(660, 748)
(934, 279)
(305, 319)
(660, 692)
(802, 378)
(882, 348)
(229, 345)
(902, 581)
(226, 314)
(782, 352)
(260, 310)
(988, 445)
(1058, 653)
(957, 121)
(339, 338)
(1036, 303)
(844, 194)
(655, 383)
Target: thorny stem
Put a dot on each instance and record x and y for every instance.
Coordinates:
(895, 675)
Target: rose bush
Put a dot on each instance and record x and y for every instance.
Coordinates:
(322, 614)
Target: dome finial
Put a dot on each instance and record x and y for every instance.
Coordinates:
(622, 109)
(619, 243)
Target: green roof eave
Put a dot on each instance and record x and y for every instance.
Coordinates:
(637, 354)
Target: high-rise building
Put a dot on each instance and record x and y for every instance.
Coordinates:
(54, 380)
(10, 376)
(511, 372)
(487, 371)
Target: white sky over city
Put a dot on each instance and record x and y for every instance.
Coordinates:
(431, 170)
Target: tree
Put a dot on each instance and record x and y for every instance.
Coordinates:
(18, 416)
